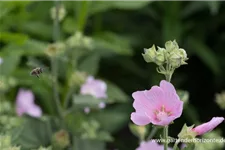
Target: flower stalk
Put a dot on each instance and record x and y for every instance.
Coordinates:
(56, 37)
(165, 136)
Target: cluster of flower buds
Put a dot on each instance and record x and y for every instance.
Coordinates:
(55, 49)
(78, 40)
(171, 55)
(61, 12)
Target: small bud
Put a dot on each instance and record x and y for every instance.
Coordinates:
(78, 40)
(60, 139)
(177, 57)
(61, 12)
(171, 45)
(187, 133)
(77, 78)
(139, 131)
(55, 49)
(220, 100)
(150, 54)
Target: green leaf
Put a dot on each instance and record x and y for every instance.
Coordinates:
(82, 101)
(102, 6)
(113, 43)
(90, 63)
(115, 94)
(35, 132)
(10, 64)
(130, 4)
(69, 25)
(81, 144)
(114, 118)
(206, 55)
(17, 38)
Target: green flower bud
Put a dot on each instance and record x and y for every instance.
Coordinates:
(177, 57)
(78, 40)
(60, 140)
(77, 78)
(160, 57)
(55, 49)
(61, 13)
(220, 100)
(150, 54)
(171, 46)
(139, 131)
(187, 133)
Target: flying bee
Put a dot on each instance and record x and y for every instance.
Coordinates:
(36, 72)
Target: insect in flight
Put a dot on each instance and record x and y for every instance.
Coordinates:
(36, 72)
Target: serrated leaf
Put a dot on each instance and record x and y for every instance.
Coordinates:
(35, 132)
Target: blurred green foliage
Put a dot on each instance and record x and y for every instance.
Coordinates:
(103, 39)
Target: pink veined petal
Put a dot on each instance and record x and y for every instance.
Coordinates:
(140, 118)
(208, 126)
(167, 86)
(155, 96)
(34, 111)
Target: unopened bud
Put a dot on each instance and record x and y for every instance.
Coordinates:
(77, 78)
(61, 12)
(55, 49)
(187, 133)
(61, 139)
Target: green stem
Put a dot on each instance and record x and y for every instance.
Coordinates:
(153, 132)
(56, 37)
(68, 95)
(175, 145)
(165, 136)
(82, 15)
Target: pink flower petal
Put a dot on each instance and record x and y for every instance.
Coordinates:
(151, 145)
(208, 126)
(25, 104)
(96, 88)
(140, 119)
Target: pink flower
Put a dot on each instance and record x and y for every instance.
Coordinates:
(208, 126)
(87, 110)
(151, 145)
(101, 105)
(96, 88)
(159, 105)
(25, 104)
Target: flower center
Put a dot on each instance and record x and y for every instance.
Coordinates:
(162, 114)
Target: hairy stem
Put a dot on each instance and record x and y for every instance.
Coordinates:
(165, 136)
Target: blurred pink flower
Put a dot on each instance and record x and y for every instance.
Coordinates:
(96, 88)
(101, 105)
(25, 104)
(159, 105)
(151, 145)
(208, 126)
(87, 110)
